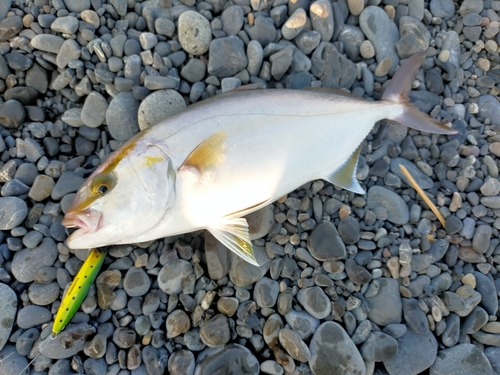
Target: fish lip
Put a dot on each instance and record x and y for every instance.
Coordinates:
(87, 220)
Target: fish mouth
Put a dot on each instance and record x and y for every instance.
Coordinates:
(86, 221)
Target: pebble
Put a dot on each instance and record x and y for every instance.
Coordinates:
(379, 347)
(333, 352)
(94, 110)
(136, 282)
(416, 353)
(177, 323)
(13, 211)
(321, 14)
(195, 33)
(173, 275)
(461, 359)
(266, 292)
(215, 332)
(7, 312)
(302, 323)
(66, 25)
(32, 316)
(386, 306)
(11, 362)
(12, 114)
(27, 262)
(121, 116)
(233, 358)
(293, 344)
(325, 243)
(69, 342)
(315, 302)
(47, 43)
(486, 288)
(158, 105)
(397, 211)
(226, 57)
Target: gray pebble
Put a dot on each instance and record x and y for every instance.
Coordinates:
(77, 6)
(451, 334)
(13, 211)
(357, 274)
(416, 353)
(332, 351)
(233, 358)
(461, 360)
(11, 361)
(255, 57)
(302, 323)
(215, 332)
(415, 318)
(315, 302)
(75, 335)
(194, 70)
(486, 287)
(9, 27)
(7, 313)
(396, 208)
(232, 20)
(386, 306)
(474, 321)
(321, 14)
(295, 23)
(136, 282)
(65, 25)
(12, 114)
(442, 8)
(226, 57)
(32, 316)
(173, 276)
(379, 347)
(266, 292)
(47, 43)
(293, 344)
(69, 182)
(177, 323)
(181, 362)
(325, 243)
(121, 116)
(158, 105)
(263, 31)
(481, 239)
(195, 33)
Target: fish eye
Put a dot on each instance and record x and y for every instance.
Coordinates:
(102, 189)
(102, 184)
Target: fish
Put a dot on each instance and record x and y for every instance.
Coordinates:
(225, 157)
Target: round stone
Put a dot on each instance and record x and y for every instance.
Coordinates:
(195, 33)
(136, 282)
(325, 243)
(173, 275)
(121, 116)
(215, 332)
(13, 211)
(158, 105)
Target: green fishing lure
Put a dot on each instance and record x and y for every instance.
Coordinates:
(78, 290)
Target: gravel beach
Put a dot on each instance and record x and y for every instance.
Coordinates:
(348, 284)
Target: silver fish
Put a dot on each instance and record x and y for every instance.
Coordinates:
(225, 157)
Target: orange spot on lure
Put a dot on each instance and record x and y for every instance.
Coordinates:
(78, 289)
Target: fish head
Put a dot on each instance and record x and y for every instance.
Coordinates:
(123, 199)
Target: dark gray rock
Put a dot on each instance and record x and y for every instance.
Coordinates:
(464, 359)
(379, 347)
(226, 57)
(486, 287)
(333, 69)
(333, 352)
(386, 306)
(415, 318)
(325, 243)
(12, 114)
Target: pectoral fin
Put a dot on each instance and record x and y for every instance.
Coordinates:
(345, 176)
(233, 233)
(208, 154)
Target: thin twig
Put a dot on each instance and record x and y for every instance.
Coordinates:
(423, 195)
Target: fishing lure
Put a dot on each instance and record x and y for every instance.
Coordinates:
(76, 294)
(78, 290)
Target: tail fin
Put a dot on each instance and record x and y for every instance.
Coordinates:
(397, 91)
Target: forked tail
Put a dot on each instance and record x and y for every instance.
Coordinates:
(397, 91)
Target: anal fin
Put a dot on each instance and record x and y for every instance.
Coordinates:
(345, 176)
(233, 233)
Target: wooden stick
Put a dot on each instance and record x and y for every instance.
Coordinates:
(423, 195)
